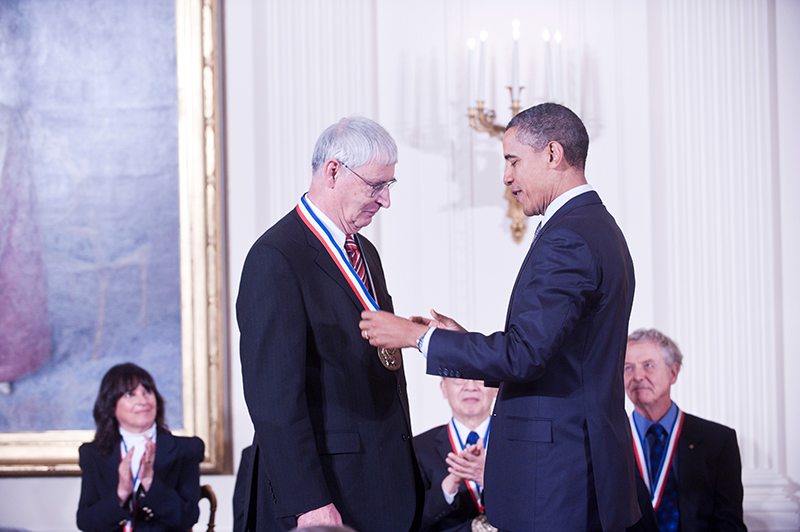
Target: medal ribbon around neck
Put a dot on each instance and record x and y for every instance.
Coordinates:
(336, 253)
(458, 445)
(666, 463)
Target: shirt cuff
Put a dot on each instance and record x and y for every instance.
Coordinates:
(426, 339)
(449, 497)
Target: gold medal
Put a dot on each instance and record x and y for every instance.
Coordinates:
(391, 359)
(481, 524)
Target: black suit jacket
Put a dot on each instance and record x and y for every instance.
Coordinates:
(331, 423)
(432, 448)
(172, 497)
(562, 456)
(709, 478)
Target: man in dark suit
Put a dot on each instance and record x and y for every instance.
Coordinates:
(695, 483)
(332, 429)
(560, 457)
(451, 458)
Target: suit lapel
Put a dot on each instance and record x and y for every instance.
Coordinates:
(443, 446)
(586, 198)
(377, 279)
(325, 261)
(165, 449)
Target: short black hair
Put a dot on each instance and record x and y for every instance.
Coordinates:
(547, 122)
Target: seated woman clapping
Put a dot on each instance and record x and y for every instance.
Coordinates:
(135, 474)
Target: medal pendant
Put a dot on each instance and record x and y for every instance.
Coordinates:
(481, 524)
(391, 359)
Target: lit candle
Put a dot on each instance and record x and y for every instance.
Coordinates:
(515, 62)
(548, 64)
(559, 84)
(482, 65)
(470, 53)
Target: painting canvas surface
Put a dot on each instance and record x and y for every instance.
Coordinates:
(89, 217)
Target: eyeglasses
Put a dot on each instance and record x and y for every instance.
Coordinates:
(376, 189)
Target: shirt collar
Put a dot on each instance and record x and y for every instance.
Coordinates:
(563, 199)
(668, 421)
(133, 437)
(481, 429)
(337, 234)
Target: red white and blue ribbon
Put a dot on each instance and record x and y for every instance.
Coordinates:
(458, 445)
(337, 254)
(666, 464)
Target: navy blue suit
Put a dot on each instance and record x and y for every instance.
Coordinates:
(172, 498)
(561, 455)
(331, 423)
(709, 476)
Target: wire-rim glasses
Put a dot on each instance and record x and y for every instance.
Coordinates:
(376, 189)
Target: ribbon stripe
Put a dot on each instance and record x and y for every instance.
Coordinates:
(452, 432)
(337, 254)
(657, 490)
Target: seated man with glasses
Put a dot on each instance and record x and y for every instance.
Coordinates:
(332, 429)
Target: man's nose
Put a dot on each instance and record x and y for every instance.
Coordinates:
(508, 178)
(383, 199)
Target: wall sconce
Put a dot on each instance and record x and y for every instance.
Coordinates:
(482, 119)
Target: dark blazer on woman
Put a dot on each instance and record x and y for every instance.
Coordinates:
(170, 505)
(561, 456)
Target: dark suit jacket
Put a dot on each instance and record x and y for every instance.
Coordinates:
(331, 422)
(432, 448)
(562, 456)
(172, 497)
(709, 481)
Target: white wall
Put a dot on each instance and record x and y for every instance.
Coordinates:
(637, 73)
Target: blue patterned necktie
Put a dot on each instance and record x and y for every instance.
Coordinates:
(536, 233)
(472, 438)
(667, 512)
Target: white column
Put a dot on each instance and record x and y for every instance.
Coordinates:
(715, 176)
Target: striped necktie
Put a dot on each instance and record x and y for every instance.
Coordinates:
(356, 259)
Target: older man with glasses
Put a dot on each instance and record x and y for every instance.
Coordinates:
(332, 428)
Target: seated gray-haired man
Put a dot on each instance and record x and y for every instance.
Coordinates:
(690, 469)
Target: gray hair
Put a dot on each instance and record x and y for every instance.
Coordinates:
(672, 354)
(355, 141)
(547, 122)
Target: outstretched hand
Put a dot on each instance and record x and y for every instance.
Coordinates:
(384, 329)
(439, 321)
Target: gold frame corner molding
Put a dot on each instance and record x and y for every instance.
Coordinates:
(204, 328)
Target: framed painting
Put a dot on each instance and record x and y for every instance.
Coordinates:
(112, 238)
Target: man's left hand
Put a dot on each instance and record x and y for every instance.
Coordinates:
(384, 329)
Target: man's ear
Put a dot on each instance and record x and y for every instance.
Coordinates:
(674, 370)
(330, 171)
(555, 153)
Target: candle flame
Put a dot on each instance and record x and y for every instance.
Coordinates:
(546, 35)
(484, 35)
(557, 37)
(471, 43)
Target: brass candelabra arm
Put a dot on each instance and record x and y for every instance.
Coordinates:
(483, 121)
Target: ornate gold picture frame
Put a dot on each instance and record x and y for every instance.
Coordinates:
(203, 321)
